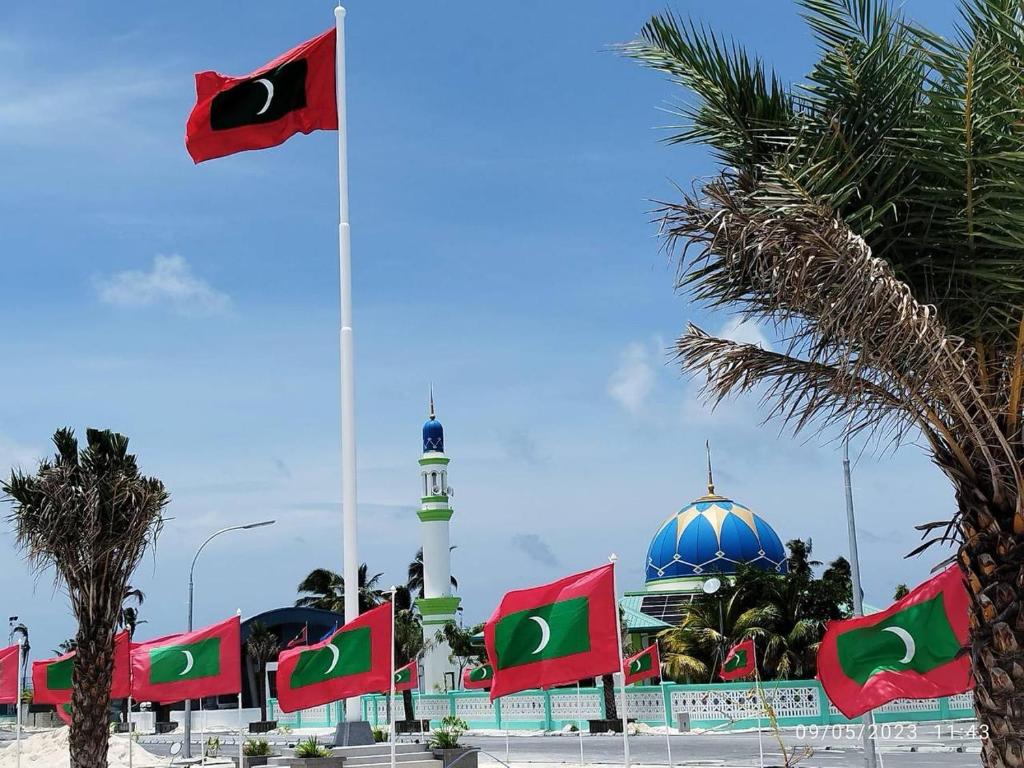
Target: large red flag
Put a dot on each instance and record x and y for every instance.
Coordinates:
(914, 649)
(190, 665)
(554, 634)
(294, 93)
(51, 678)
(9, 675)
(354, 660)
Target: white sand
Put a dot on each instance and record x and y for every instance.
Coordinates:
(49, 749)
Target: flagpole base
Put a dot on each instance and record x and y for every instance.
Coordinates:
(354, 733)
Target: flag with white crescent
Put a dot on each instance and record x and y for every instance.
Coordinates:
(190, 665)
(354, 660)
(643, 665)
(554, 634)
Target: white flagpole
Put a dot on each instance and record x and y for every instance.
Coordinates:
(613, 558)
(668, 722)
(241, 731)
(348, 391)
(130, 732)
(17, 727)
(579, 718)
(202, 731)
(391, 693)
(760, 705)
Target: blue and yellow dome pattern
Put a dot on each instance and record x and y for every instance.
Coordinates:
(713, 535)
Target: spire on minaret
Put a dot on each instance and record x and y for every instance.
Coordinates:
(431, 400)
(711, 477)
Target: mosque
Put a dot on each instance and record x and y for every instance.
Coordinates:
(691, 554)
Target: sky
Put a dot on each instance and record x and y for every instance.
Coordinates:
(504, 164)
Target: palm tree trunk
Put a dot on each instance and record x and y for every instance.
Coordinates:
(611, 711)
(407, 704)
(90, 698)
(261, 691)
(995, 575)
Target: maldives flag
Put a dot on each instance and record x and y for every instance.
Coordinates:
(206, 662)
(478, 677)
(354, 660)
(554, 634)
(911, 650)
(407, 678)
(294, 93)
(9, 675)
(51, 678)
(642, 665)
(64, 713)
(739, 661)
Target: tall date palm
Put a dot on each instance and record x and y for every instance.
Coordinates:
(90, 515)
(873, 215)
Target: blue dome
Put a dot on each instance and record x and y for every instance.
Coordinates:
(713, 535)
(433, 436)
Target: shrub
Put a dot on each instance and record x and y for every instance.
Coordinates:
(212, 746)
(256, 748)
(380, 733)
(447, 735)
(311, 747)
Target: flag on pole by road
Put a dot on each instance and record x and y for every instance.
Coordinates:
(554, 634)
(354, 660)
(914, 649)
(300, 639)
(643, 665)
(9, 673)
(190, 665)
(478, 677)
(739, 662)
(51, 678)
(407, 678)
(294, 93)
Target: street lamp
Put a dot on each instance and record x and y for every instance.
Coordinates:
(191, 584)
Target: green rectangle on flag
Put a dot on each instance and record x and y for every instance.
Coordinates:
(58, 675)
(403, 675)
(545, 632)
(641, 664)
(189, 661)
(918, 638)
(347, 654)
(482, 673)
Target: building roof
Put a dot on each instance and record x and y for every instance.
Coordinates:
(636, 620)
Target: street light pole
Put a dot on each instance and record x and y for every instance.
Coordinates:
(870, 760)
(191, 585)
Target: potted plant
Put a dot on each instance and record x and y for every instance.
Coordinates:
(255, 752)
(444, 742)
(310, 753)
(212, 746)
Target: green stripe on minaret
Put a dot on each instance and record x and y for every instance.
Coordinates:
(351, 656)
(188, 661)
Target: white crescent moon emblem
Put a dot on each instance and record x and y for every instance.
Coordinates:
(188, 664)
(545, 633)
(486, 674)
(634, 666)
(908, 640)
(270, 93)
(335, 655)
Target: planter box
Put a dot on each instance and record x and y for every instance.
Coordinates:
(412, 726)
(607, 726)
(262, 726)
(315, 762)
(253, 761)
(462, 757)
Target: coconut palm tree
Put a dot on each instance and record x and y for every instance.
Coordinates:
(326, 590)
(262, 647)
(90, 515)
(66, 646)
(129, 618)
(874, 216)
(415, 579)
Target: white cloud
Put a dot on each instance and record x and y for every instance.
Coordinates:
(744, 332)
(632, 382)
(170, 281)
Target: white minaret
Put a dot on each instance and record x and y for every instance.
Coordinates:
(437, 606)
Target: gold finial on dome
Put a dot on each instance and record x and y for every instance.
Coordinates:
(711, 477)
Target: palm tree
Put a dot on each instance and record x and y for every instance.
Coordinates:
(129, 618)
(874, 215)
(326, 590)
(408, 639)
(90, 515)
(66, 646)
(262, 647)
(415, 579)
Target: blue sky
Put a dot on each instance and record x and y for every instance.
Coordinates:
(502, 167)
